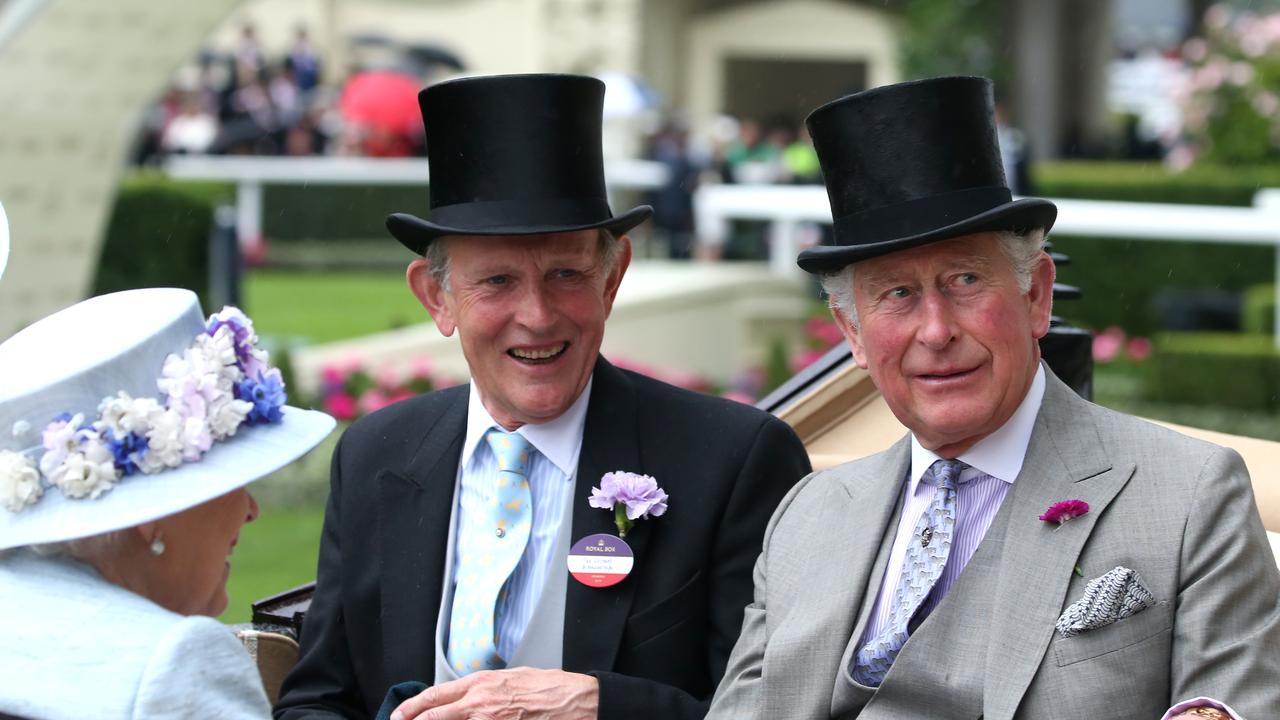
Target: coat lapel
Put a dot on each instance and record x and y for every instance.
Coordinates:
(594, 618)
(1066, 460)
(415, 503)
(840, 551)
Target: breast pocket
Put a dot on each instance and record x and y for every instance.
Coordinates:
(1119, 635)
(688, 600)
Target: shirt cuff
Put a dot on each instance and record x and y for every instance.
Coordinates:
(1201, 702)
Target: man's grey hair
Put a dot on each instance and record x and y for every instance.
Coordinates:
(437, 256)
(1022, 249)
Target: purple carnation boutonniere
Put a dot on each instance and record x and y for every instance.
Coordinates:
(630, 496)
(1061, 512)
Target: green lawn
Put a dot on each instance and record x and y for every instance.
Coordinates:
(275, 553)
(317, 307)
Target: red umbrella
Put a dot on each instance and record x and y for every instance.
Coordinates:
(383, 99)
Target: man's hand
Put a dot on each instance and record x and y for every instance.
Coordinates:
(517, 694)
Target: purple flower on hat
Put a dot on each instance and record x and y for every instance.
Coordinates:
(631, 496)
(244, 340)
(267, 394)
(1064, 510)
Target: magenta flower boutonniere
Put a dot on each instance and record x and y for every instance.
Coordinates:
(1061, 512)
(630, 496)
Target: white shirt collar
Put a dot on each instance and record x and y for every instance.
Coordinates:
(558, 440)
(999, 454)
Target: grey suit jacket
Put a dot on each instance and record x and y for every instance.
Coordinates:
(1178, 511)
(73, 645)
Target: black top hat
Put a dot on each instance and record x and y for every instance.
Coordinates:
(910, 164)
(513, 155)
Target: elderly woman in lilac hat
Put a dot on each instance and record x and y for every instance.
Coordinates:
(129, 428)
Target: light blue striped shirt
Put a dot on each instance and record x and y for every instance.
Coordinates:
(552, 471)
(994, 462)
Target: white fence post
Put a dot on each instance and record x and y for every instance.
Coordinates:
(1267, 201)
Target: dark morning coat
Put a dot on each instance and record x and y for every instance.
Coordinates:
(658, 642)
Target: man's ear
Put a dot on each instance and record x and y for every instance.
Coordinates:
(621, 262)
(850, 334)
(431, 294)
(1040, 296)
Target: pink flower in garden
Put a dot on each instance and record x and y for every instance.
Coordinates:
(387, 378)
(824, 330)
(1139, 349)
(802, 360)
(421, 367)
(1217, 17)
(1107, 345)
(1064, 510)
(332, 376)
(738, 396)
(371, 401)
(1195, 49)
(340, 405)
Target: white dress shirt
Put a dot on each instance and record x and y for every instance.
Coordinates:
(552, 472)
(994, 463)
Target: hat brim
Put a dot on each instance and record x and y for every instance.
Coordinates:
(1018, 216)
(416, 234)
(254, 451)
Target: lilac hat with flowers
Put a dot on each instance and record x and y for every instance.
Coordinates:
(129, 407)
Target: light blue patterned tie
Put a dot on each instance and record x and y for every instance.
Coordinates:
(485, 564)
(926, 557)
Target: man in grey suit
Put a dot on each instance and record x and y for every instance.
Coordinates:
(1022, 553)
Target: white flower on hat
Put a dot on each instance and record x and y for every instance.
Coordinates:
(60, 439)
(225, 415)
(88, 471)
(124, 414)
(19, 481)
(165, 442)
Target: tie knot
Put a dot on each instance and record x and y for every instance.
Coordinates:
(946, 473)
(511, 449)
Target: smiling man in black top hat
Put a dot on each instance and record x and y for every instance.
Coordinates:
(1021, 552)
(454, 518)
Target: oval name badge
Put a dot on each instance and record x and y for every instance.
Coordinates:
(600, 560)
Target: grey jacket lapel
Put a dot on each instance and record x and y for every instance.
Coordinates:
(1066, 459)
(835, 559)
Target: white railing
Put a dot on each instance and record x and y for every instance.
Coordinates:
(251, 174)
(788, 207)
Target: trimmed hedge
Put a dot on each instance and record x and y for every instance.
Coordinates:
(1235, 370)
(337, 212)
(1259, 309)
(158, 235)
(1122, 278)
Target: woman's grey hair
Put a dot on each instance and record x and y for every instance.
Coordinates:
(82, 548)
(1022, 249)
(437, 256)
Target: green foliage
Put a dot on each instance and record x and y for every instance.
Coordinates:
(1120, 278)
(777, 366)
(337, 212)
(1232, 112)
(953, 37)
(1215, 369)
(1259, 309)
(158, 235)
(1204, 184)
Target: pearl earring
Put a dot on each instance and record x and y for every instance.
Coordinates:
(157, 547)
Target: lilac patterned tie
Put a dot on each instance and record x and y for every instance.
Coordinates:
(925, 559)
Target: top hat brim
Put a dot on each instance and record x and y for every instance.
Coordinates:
(1016, 216)
(416, 233)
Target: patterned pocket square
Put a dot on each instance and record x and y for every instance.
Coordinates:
(1114, 596)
